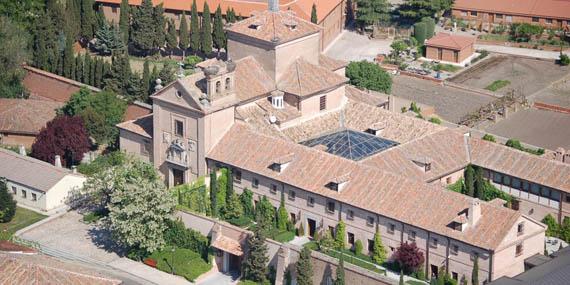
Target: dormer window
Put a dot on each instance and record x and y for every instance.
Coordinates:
(280, 163)
(255, 26)
(339, 182)
(423, 162)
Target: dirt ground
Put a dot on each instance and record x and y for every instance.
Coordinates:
(558, 94)
(526, 75)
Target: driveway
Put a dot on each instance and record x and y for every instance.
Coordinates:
(67, 237)
(351, 46)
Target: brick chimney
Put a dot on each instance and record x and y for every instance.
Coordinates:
(57, 161)
(273, 5)
(474, 213)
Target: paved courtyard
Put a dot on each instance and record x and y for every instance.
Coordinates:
(546, 129)
(557, 94)
(351, 46)
(449, 103)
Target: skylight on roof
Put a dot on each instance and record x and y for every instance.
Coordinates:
(350, 144)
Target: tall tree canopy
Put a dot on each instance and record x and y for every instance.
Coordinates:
(13, 52)
(254, 266)
(206, 31)
(372, 12)
(195, 29)
(369, 75)
(219, 34)
(143, 27)
(184, 33)
(124, 20)
(7, 203)
(304, 267)
(314, 18)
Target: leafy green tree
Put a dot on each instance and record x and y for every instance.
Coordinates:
(219, 36)
(265, 215)
(282, 215)
(7, 203)
(304, 267)
(416, 9)
(124, 20)
(475, 271)
(206, 30)
(19, 11)
(194, 29)
(340, 236)
(371, 12)
(214, 193)
(109, 38)
(171, 37)
(398, 46)
(524, 32)
(88, 20)
(314, 18)
(469, 176)
(118, 78)
(553, 228)
(234, 208)
(139, 210)
(565, 229)
(339, 280)
(159, 26)
(254, 265)
(13, 51)
(184, 34)
(564, 59)
(146, 80)
(73, 18)
(143, 28)
(378, 250)
(358, 247)
(246, 199)
(370, 76)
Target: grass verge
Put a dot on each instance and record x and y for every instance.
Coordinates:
(22, 219)
(181, 261)
(497, 84)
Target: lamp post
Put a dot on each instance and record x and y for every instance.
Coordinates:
(172, 260)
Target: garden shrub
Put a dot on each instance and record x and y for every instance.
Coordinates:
(183, 262)
(369, 75)
(181, 237)
(489, 137)
(7, 203)
(358, 247)
(435, 120)
(420, 29)
(497, 84)
(242, 222)
(194, 197)
(102, 162)
(564, 59)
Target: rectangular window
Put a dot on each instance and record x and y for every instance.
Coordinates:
(545, 192)
(520, 229)
(497, 178)
(549, 21)
(145, 147)
(237, 176)
(370, 245)
(464, 13)
(535, 19)
(433, 243)
(456, 56)
(332, 231)
(370, 221)
(114, 10)
(292, 195)
(293, 217)
(34, 197)
(330, 207)
(499, 16)
(519, 250)
(516, 183)
(567, 198)
(391, 228)
(439, 54)
(351, 238)
(24, 194)
(474, 13)
(509, 18)
(255, 183)
(311, 201)
(178, 128)
(350, 215)
(555, 195)
(525, 186)
(535, 189)
(273, 189)
(454, 276)
(323, 103)
(412, 236)
(14, 190)
(454, 249)
(507, 180)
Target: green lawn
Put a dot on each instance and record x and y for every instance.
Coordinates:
(497, 84)
(22, 219)
(414, 282)
(182, 262)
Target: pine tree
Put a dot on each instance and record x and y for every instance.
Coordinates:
(99, 73)
(372, 12)
(304, 267)
(206, 30)
(73, 18)
(469, 176)
(194, 29)
(184, 34)
(232, 18)
(254, 265)
(68, 58)
(146, 80)
(340, 271)
(159, 26)
(87, 68)
(340, 237)
(475, 272)
(219, 35)
(124, 20)
(282, 215)
(416, 9)
(143, 31)
(171, 37)
(7, 203)
(108, 39)
(314, 18)
(213, 193)
(79, 68)
(88, 20)
(378, 250)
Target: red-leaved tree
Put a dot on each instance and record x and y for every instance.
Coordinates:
(64, 136)
(409, 257)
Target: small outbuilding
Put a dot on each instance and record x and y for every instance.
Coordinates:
(450, 48)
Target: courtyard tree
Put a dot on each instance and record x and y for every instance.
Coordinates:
(369, 75)
(265, 215)
(553, 228)
(282, 215)
(219, 36)
(372, 12)
(125, 20)
(143, 28)
(64, 136)
(213, 193)
(304, 267)
(398, 47)
(314, 18)
(339, 280)
(206, 30)
(565, 229)
(194, 29)
(340, 237)
(246, 199)
(139, 206)
(409, 257)
(254, 265)
(469, 176)
(378, 250)
(7, 203)
(13, 51)
(171, 37)
(184, 35)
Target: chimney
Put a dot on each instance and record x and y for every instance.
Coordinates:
(57, 161)
(22, 150)
(273, 5)
(277, 99)
(559, 154)
(474, 213)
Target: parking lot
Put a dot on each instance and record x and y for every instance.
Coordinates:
(526, 75)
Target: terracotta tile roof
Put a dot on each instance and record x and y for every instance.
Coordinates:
(141, 126)
(275, 27)
(543, 8)
(410, 201)
(17, 270)
(31, 172)
(449, 41)
(136, 110)
(368, 97)
(251, 79)
(331, 63)
(520, 164)
(245, 8)
(228, 244)
(48, 86)
(283, 115)
(303, 79)
(26, 116)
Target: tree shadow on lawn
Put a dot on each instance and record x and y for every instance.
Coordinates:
(101, 237)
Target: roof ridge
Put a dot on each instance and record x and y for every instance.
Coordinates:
(30, 159)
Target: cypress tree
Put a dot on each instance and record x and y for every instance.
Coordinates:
(73, 18)
(7, 203)
(92, 68)
(254, 265)
(340, 237)
(143, 31)
(218, 34)
(304, 267)
(230, 183)
(194, 29)
(479, 184)
(184, 34)
(228, 15)
(171, 37)
(79, 68)
(73, 69)
(87, 68)
(282, 215)
(213, 193)
(146, 80)
(206, 31)
(68, 58)
(378, 250)
(340, 271)
(314, 18)
(475, 272)
(88, 20)
(124, 20)
(469, 176)
(159, 26)
(233, 18)
(246, 199)
(99, 73)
